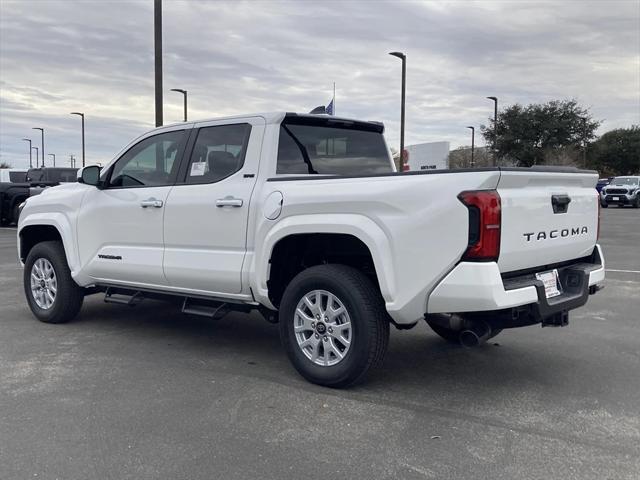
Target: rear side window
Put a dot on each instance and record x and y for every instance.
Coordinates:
(17, 177)
(65, 175)
(331, 150)
(218, 152)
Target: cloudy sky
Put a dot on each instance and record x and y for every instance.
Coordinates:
(96, 56)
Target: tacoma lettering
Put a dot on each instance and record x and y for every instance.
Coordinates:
(565, 232)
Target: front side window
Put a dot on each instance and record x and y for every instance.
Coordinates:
(218, 152)
(327, 149)
(149, 163)
(35, 175)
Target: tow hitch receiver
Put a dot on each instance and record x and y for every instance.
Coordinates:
(560, 319)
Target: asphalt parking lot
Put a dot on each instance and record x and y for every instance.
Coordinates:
(148, 393)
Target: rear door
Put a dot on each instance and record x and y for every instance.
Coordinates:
(547, 217)
(206, 215)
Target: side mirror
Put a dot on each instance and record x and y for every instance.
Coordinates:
(90, 175)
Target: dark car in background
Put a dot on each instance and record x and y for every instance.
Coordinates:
(602, 182)
(13, 193)
(44, 177)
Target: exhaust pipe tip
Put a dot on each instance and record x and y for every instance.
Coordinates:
(476, 335)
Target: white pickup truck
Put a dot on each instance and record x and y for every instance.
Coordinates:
(303, 218)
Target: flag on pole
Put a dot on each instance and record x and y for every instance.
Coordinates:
(329, 108)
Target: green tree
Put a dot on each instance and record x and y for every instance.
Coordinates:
(5, 165)
(538, 133)
(617, 152)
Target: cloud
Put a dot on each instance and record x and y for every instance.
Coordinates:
(236, 57)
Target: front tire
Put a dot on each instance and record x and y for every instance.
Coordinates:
(52, 295)
(333, 325)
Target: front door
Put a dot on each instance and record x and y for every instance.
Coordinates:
(206, 215)
(120, 225)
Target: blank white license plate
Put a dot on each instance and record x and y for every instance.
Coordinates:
(551, 283)
(615, 199)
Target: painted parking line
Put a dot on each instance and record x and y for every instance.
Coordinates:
(621, 271)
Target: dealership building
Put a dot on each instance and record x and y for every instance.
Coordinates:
(428, 156)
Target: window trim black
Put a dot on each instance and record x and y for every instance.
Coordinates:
(183, 172)
(172, 180)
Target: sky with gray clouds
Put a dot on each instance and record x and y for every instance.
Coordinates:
(234, 57)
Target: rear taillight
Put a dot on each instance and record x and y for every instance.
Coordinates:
(599, 213)
(484, 225)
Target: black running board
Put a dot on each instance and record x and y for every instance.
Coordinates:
(111, 296)
(214, 310)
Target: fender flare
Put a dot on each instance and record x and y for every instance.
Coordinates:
(62, 224)
(359, 226)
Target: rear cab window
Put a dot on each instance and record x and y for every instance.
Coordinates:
(328, 146)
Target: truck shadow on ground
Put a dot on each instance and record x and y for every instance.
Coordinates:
(417, 359)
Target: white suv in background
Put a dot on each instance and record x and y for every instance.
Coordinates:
(621, 191)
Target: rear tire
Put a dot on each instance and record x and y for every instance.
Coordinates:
(52, 295)
(359, 334)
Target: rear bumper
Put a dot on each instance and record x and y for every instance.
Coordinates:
(479, 287)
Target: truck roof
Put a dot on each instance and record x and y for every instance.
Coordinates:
(276, 117)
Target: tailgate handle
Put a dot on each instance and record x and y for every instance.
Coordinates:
(560, 203)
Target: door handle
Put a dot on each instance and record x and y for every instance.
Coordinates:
(151, 202)
(560, 203)
(229, 201)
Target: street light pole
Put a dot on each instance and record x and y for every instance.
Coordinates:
(402, 57)
(495, 129)
(42, 144)
(54, 158)
(184, 93)
(82, 116)
(584, 142)
(473, 145)
(30, 152)
(157, 30)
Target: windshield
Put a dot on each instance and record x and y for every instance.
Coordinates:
(310, 146)
(625, 181)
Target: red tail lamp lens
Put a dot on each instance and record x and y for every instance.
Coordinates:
(484, 225)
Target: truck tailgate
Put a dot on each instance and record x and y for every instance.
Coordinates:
(547, 217)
